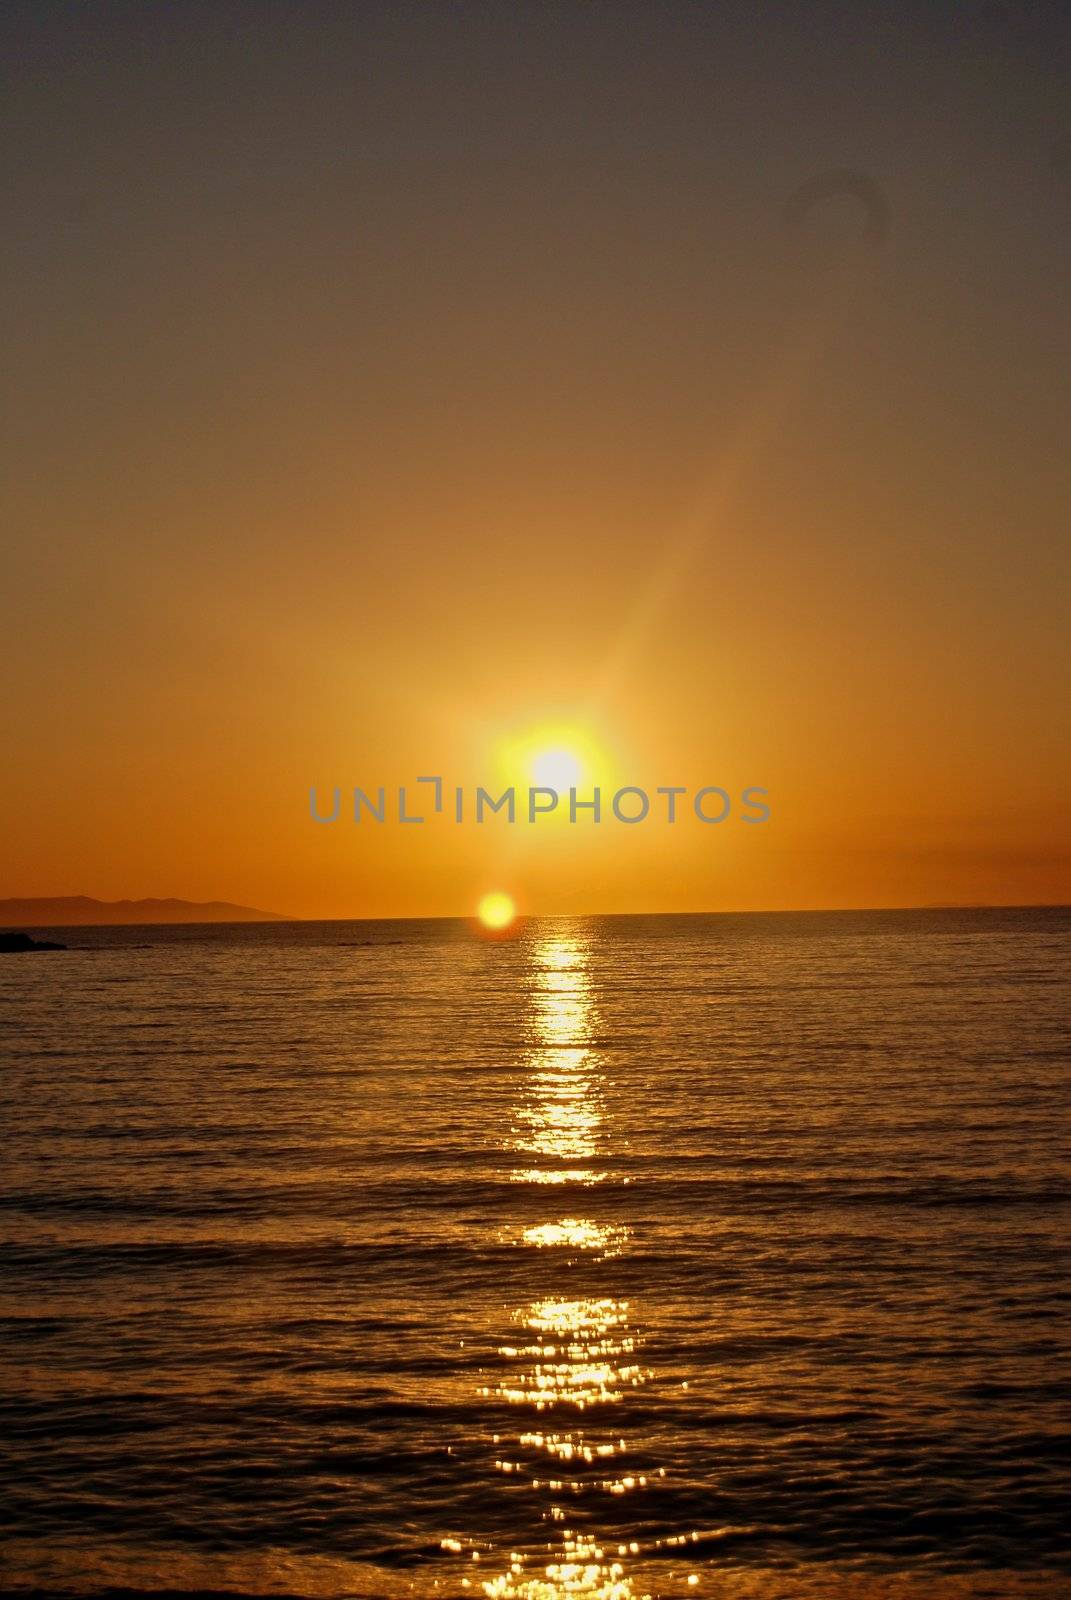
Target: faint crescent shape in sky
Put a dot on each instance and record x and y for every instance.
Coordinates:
(842, 181)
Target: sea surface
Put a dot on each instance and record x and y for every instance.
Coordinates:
(621, 1257)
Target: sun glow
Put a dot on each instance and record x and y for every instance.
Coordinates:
(554, 755)
(496, 910)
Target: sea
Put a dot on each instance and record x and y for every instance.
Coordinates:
(618, 1257)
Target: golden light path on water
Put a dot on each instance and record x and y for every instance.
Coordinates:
(570, 1355)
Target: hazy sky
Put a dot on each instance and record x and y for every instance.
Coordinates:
(387, 382)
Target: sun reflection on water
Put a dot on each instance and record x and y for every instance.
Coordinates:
(571, 1354)
(561, 1116)
(580, 1356)
(571, 1359)
(578, 1233)
(583, 1570)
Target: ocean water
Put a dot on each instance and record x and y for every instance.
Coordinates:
(623, 1257)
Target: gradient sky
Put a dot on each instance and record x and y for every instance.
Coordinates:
(386, 382)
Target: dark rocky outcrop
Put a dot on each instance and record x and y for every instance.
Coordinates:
(11, 943)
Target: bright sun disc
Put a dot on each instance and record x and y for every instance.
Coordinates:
(496, 910)
(556, 769)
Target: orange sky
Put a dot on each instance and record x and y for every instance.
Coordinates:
(389, 384)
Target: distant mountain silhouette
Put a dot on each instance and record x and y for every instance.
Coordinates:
(81, 910)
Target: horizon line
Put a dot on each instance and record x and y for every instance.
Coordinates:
(273, 919)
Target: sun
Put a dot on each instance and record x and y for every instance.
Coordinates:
(559, 755)
(496, 910)
(557, 768)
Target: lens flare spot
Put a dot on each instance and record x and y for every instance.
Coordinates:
(496, 910)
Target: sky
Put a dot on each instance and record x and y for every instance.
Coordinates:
(404, 389)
